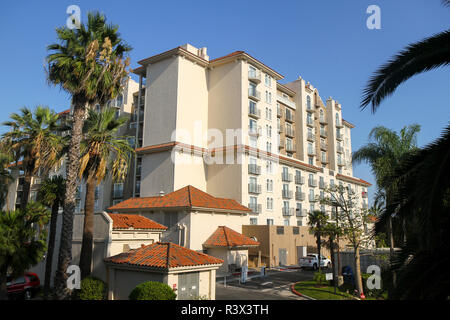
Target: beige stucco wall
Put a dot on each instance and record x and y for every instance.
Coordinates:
(157, 174)
(238, 257)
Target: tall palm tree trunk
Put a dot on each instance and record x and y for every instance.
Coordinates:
(51, 248)
(319, 247)
(391, 249)
(88, 229)
(73, 166)
(29, 167)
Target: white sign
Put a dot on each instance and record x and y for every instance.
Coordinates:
(328, 276)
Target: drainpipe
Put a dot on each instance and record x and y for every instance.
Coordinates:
(136, 142)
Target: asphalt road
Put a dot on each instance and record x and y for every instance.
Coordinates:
(275, 286)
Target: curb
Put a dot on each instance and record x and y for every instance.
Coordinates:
(298, 293)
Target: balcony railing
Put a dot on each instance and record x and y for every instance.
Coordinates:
(322, 185)
(280, 143)
(300, 196)
(254, 188)
(289, 117)
(340, 149)
(311, 152)
(254, 76)
(339, 136)
(311, 137)
(309, 122)
(254, 94)
(312, 198)
(312, 182)
(254, 112)
(290, 147)
(323, 146)
(286, 101)
(288, 211)
(290, 132)
(322, 120)
(299, 179)
(340, 162)
(256, 208)
(310, 108)
(255, 131)
(324, 159)
(301, 212)
(287, 194)
(286, 177)
(323, 133)
(254, 169)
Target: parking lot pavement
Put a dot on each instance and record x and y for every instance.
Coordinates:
(275, 286)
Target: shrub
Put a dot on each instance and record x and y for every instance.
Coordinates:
(152, 290)
(92, 289)
(319, 278)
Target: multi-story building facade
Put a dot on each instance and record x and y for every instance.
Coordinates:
(230, 128)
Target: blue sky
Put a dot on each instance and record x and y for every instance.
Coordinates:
(326, 42)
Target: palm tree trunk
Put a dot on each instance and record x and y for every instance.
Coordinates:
(331, 244)
(391, 249)
(29, 167)
(88, 229)
(358, 279)
(319, 240)
(73, 167)
(51, 248)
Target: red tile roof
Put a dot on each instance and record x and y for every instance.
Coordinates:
(164, 256)
(187, 197)
(64, 112)
(352, 179)
(135, 221)
(226, 237)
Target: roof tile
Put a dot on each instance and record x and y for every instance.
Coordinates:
(135, 221)
(226, 237)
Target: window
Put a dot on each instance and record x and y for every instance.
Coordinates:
(280, 230)
(253, 221)
(119, 101)
(322, 119)
(253, 142)
(311, 194)
(332, 182)
(308, 102)
(118, 190)
(268, 113)
(309, 119)
(310, 148)
(268, 147)
(289, 144)
(253, 202)
(286, 222)
(299, 207)
(337, 118)
(252, 107)
(269, 203)
(295, 230)
(269, 184)
(311, 160)
(268, 80)
(299, 223)
(270, 222)
(252, 125)
(311, 208)
(269, 167)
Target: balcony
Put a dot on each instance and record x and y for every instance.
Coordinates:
(323, 133)
(281, 143)
(288, 211)
(339, 124)
(311, 137)
(323, 146)
(254, 94)
(254, 112)
(322, 185)
(254, 169)
(287, 194)
(256, 208)
(301, 212)
(286, 101)
(299, 179)
(300, 196)
(312, 198)
(340, 149)
(290, 132)
(340, 162)
(289, 117)
(339, 136)
(310, 109)
(254, 131)
(286, 177)
(324, 160)
(322, 120)
(312, 182)
(310, 122)
(254, 76)
(254, 188)
(290, 147)
(311, 152)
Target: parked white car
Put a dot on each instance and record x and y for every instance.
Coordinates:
(311, 261)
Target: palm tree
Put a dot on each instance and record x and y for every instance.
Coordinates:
(89, 64)
(317, 221)
(332, 231)
(423, 191)
(33, 139)
(22, 241)
(5, 178)
(51, 194)
(101, 148)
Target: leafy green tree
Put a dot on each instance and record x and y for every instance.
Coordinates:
(89, 63)
(354, 221)
(51, 194)
(33, 139)
(22, 241)
(101, 148)
(422, 179)
(317, 221)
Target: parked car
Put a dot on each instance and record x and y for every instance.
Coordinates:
(25, 286)
(311, 261)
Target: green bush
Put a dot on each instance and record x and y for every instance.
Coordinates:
(92, 289)
(319, 278)
(152, 290)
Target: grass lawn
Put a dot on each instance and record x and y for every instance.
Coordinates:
(325, 292)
